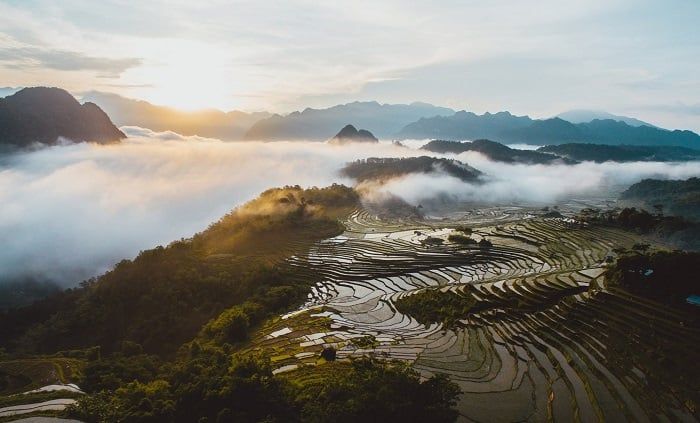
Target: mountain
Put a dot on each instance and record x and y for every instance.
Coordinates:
(464, 126)
(584, 116)
(386, 168)
(42, 115)
(384, 120)
(621, 153)
(494, 151)
(559, 131)
(507, 128)
(210, 123)
(350, 134)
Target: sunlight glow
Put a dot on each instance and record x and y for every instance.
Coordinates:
(191, 76)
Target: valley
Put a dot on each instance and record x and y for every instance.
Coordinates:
(550, 338)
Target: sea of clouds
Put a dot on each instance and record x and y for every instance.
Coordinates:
(71, 212)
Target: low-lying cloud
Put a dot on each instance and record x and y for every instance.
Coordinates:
(71, 212)
(535, 184)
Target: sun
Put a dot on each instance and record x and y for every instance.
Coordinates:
(190, 87)
(191, 77)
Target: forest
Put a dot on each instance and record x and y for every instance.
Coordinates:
(160, 338)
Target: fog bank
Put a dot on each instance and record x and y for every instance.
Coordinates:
(535, 184)
(71, 212)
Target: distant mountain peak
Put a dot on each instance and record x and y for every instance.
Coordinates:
(587, 116)
(350, 134)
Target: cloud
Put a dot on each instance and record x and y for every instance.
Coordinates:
(535, 185)
(71, 212)
(5, 91)
(34, 57)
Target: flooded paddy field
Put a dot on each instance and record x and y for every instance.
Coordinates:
(550, 341)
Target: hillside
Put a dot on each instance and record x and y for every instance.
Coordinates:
(383, 120)
(206, 305)
(383, 169)
(621, 153)
(164, 296)
(494, 151)
(677, 197)
(43, 115)
(206, 123)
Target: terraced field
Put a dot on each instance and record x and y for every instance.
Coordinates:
(549, 340)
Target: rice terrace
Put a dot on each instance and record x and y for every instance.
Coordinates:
(544, 339)
(389, 211)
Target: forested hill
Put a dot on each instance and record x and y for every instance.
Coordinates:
(675, 197)
(350, 134)
(621, 153)
(164, 296)
(43, 115)
(383, 169)
(494, 151)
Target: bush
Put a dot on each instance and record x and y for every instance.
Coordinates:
(230, 326)
(461, 239)
(433, 306)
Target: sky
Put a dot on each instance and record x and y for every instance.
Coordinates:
(631, 57)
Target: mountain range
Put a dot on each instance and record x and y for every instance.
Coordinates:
(57, 116)
(464, 125)
(506, 128)
(210, 123)
(383, 120)
(44, 115)
(583, 116)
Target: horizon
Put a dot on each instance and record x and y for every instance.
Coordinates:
(7, 91)
(628, 58)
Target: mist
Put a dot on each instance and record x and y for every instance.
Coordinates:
(71, 212)
(506, 184)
